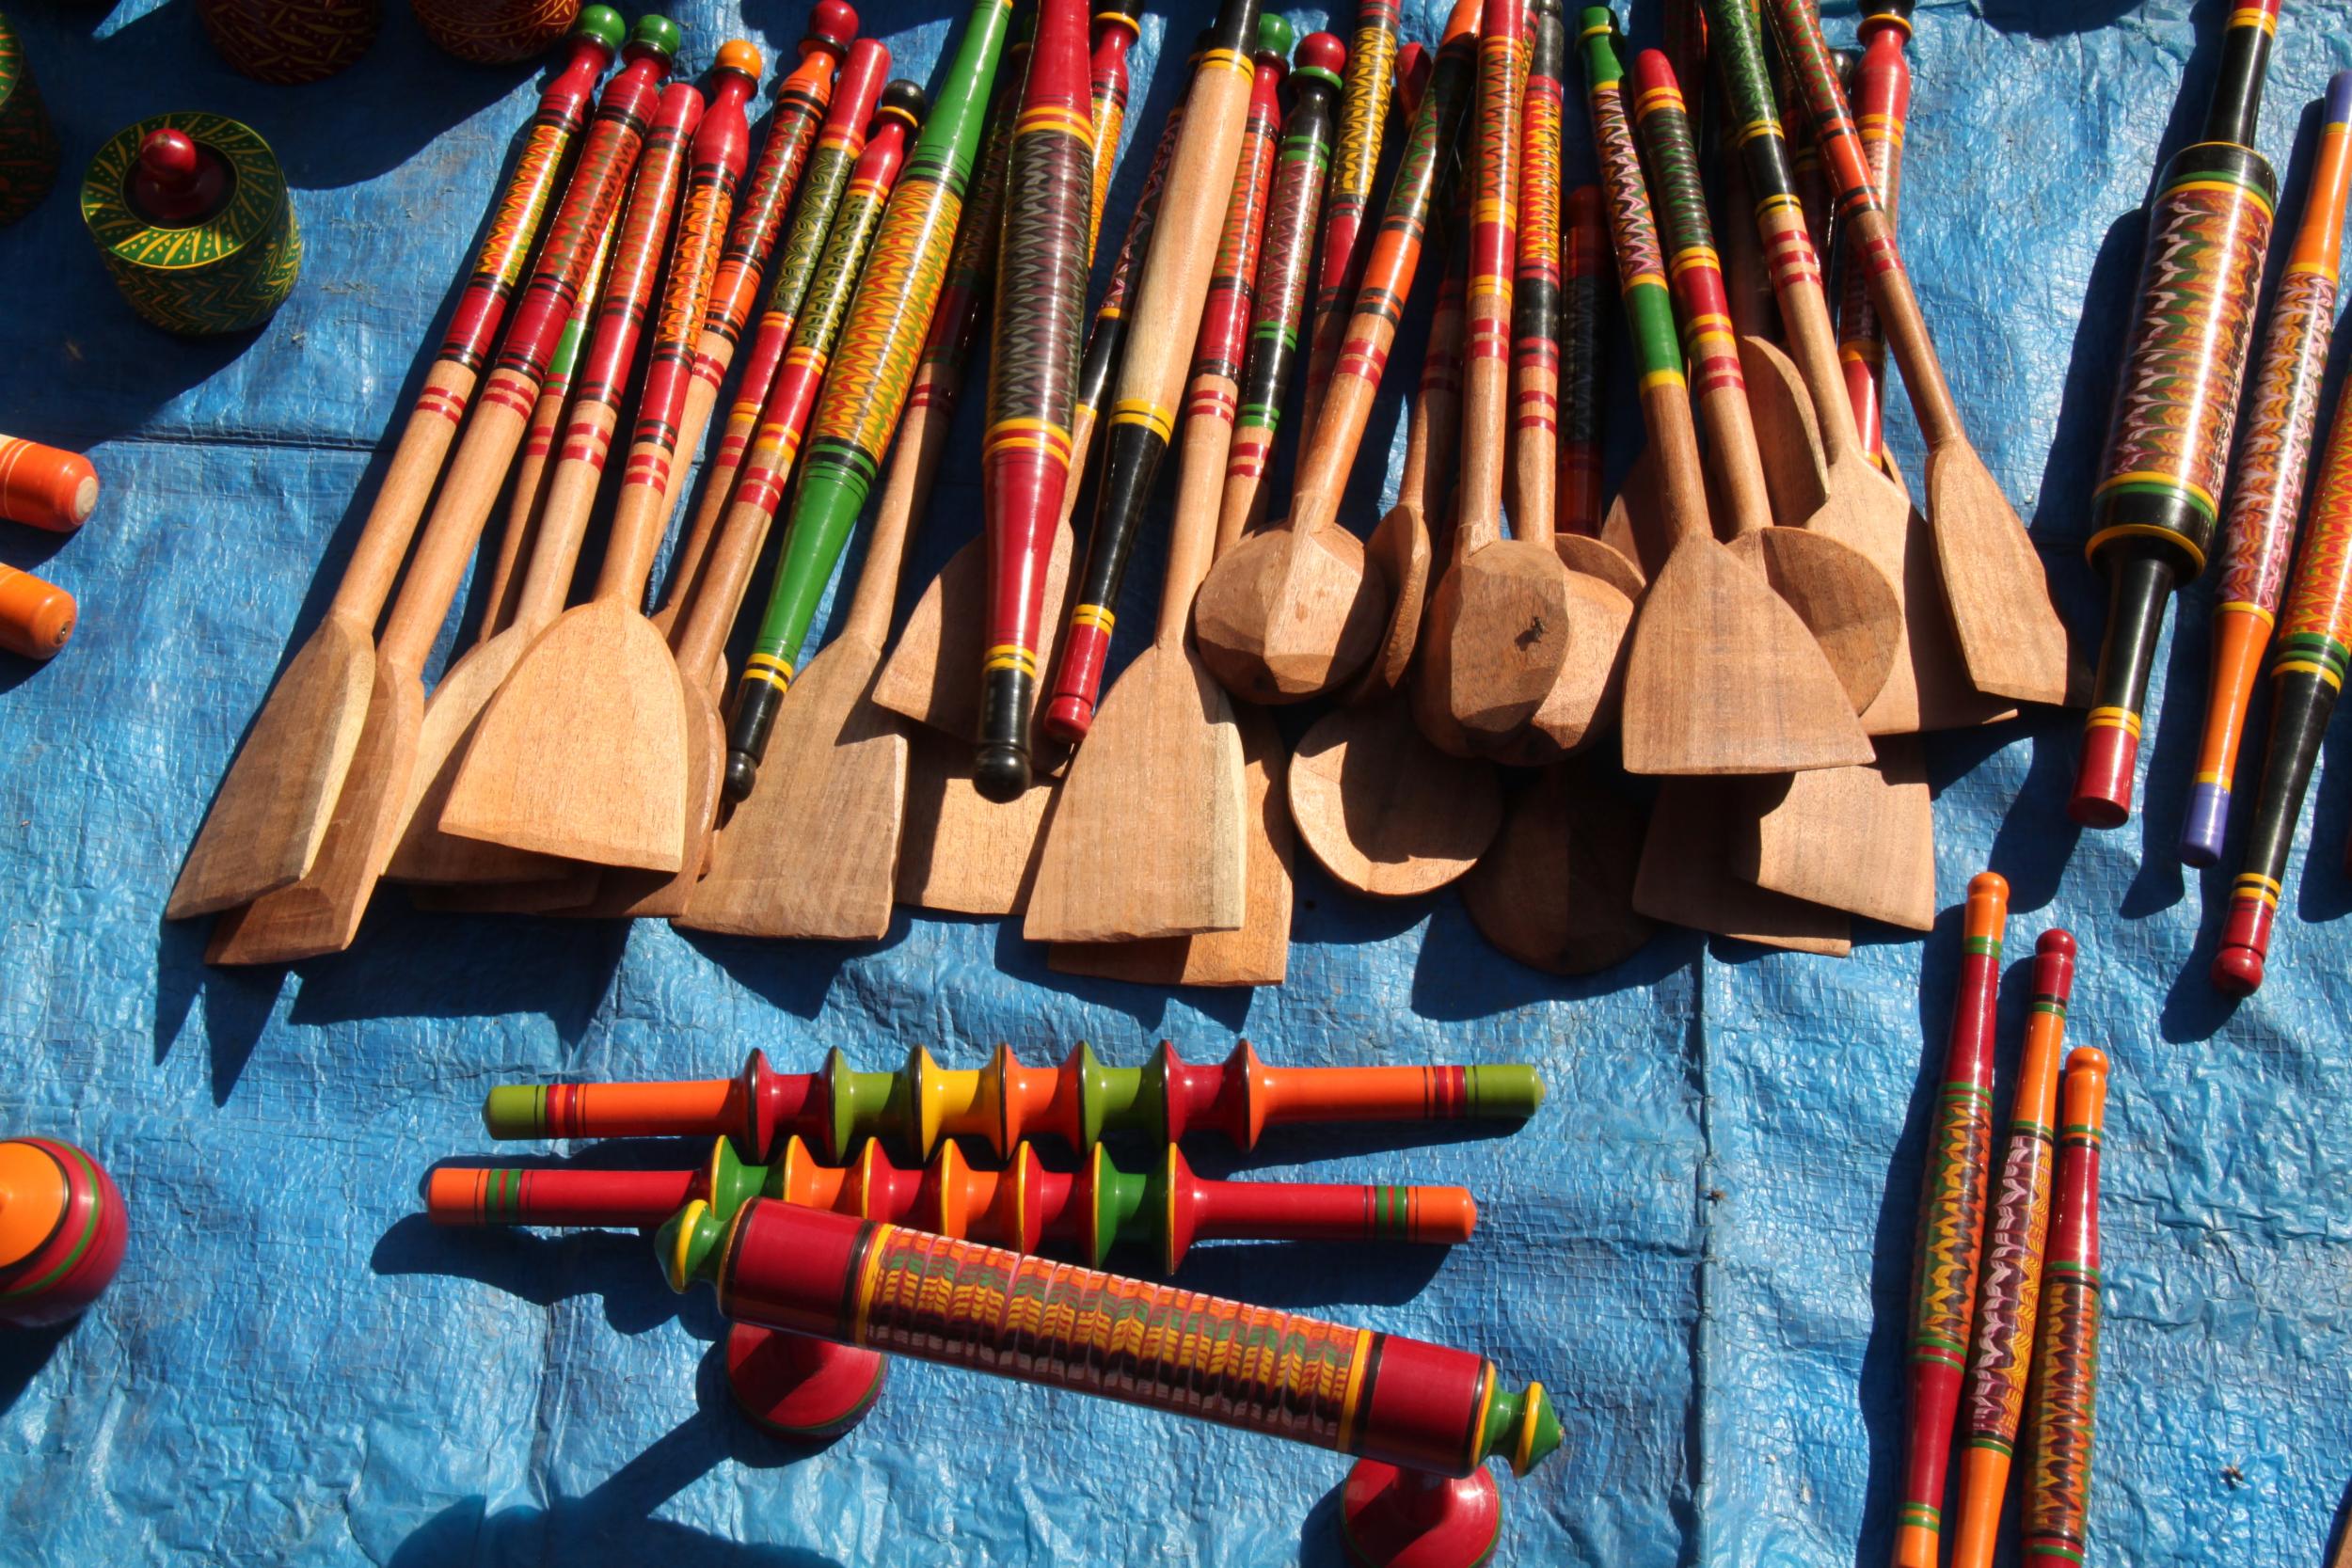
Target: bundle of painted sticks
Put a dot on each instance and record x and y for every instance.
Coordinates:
(2004, 1293)
(822, 1259)
(1761, 622)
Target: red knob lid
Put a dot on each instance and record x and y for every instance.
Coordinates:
(178, 182)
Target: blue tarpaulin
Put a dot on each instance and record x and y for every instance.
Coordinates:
(1702, 1245)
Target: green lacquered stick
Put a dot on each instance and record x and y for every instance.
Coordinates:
(880, 345)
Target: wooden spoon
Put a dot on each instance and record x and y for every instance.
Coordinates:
(270, 818)
(1556, 890)
(840, 144)
(1722, 676)
(321, 912)
(1291, 612)
(2009, 632)
(1928, 686)
(581, 752)
(1845, 601)
(425, 853)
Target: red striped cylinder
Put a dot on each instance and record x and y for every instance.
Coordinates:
(1116, 29)
(2057, 1528)
(62, 1231)
(1951, 1225)
(1032, 384)
(864, 1283)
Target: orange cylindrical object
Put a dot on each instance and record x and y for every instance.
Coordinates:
(45, 486)
(36, 617)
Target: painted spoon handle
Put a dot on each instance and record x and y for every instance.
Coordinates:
(1535, 454)
(1881, 96)
(1494, 253)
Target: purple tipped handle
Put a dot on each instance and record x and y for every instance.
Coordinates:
(2208, 820)
(2340, 98)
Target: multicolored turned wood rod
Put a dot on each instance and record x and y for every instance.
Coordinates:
(1286, 256)
(1024, 1207)
(1171, 284)
(2066, 1358)
(2307, 667)
(766, 473)
(1116, 28)
(1005, 1101)
(45, 488)
(2153, 511)
(1951, 1225)
(1882, 101)
(1583, 282)
(255, 840)
(2008, 1309)
(840, 142)
(864, 1283)
(1032, 383)
(857, 413)
(1533, 495)
(62, 1231)
(1347, 246)
(803, 98)
(715, 162)
(2266, 492)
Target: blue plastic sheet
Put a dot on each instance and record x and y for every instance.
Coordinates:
(1702, 1245)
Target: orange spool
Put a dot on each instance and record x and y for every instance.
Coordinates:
(36, 617)
(45, 486)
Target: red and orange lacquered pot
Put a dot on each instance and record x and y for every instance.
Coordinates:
(496, 32)
(291, 42)
(62, 1228)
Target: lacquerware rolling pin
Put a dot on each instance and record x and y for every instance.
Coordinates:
(2159, 496)
(1022, 1207)
(2008, 1310)
(2267, 493)
(2056, 1523)
(1003, 1103)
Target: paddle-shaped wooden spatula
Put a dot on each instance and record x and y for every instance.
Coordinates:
(2009, 631)
(1722, 676)
(268, 821)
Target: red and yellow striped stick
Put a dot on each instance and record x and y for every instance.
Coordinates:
(2066, 1359)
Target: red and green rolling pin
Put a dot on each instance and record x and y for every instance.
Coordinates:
(1364, 95)
(1024, 1207)
(801, 99)
(2154, 512)
(1534, 494)
(766, 473)
(880, 345)
(1171, 286)
(62, 1231)
(2057, 1527)
(1004, 1102)
(2307, 667)
(1116, 29)
(1286, 256)
(714, 166)
(2266, 491)
(1881, 103)
(2009, 1307)
(1032, 384)
(1413, 1412)
(1951, 1225)
(1585, 268)
(840, 144)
